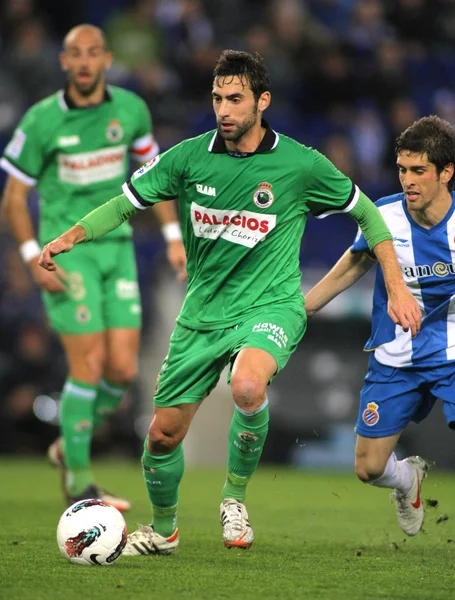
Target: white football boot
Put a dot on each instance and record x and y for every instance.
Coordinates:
(237, 532)
(410, 506)
(145, 540)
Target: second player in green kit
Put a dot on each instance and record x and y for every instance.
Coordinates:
(75, 147)
(244, 194)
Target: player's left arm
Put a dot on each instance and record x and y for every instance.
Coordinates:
(402, 306)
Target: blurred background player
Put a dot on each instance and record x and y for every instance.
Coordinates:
(74, 147)
(406, 375)
(244, 192)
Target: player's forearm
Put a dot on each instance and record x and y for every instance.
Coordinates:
(349, 269)
(393, 278)
(15, 210)
(370, 221)
(107, 217)
(169, 221)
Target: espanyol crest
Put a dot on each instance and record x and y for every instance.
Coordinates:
(263, 197)
(114, 131)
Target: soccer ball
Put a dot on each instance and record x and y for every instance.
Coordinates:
(91, 532)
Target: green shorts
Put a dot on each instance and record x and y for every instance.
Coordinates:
(196, 359)
(102, 289)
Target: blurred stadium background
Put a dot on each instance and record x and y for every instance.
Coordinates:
(347, 77)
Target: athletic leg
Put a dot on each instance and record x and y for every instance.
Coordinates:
(389, 400)
(163, 466)
(85, 354)
(120, 368)
(253, 368)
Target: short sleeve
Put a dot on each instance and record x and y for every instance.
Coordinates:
(144, 146)
(327, 190)
(24, 155)
(159, 179)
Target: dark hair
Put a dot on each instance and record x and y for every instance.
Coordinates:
(432, 136)
(244, 65)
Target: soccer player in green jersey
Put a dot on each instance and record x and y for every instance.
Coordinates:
(244, 193)
(74, 147)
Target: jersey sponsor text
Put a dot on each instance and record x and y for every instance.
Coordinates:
(239, 227)
(91, 167)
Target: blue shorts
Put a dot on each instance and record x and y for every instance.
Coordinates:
(391, 397)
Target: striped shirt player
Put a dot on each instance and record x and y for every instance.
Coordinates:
(427, 260)
(400, 364)
(406, 374)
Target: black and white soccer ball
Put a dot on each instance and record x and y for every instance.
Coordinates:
(91, 532)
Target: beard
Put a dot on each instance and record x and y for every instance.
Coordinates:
(239, 131)
(86, 89)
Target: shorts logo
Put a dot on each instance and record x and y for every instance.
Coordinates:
(163, 368)
(114, 131)
(370, 415)
(135, 309)
(76, 286)
(263, 197)
(126, 290)
(275, 333)
(84, 425)
(247, 437)
(83, 314)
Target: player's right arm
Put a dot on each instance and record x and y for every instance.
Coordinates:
(100, 221)
(348, 270)
(15, 209)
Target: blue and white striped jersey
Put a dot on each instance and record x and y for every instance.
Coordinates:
(427, 261)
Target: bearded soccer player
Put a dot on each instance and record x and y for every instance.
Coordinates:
(73, 146)
(405, 375)
(244, 194)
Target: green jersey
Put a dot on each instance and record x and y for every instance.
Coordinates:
(78, 157)
(243, 216)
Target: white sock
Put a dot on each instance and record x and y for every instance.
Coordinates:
(398, 475)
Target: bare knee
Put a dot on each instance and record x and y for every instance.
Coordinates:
(248, 391)
(368, 468)
(122, 373)
(87, 367)
(162, 439)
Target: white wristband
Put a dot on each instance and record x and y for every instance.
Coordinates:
(171, 232)
(29, 249)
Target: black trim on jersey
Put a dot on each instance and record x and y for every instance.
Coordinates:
(267, 143)
(135, 193)
(338, 208)
(71, 105)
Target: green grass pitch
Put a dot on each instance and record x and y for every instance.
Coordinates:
(318, 536)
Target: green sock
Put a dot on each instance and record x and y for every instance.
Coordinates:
(108, 397)
(77, 408)
(247, 436)
(162, 476)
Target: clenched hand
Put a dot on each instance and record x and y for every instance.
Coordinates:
(404, 310)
